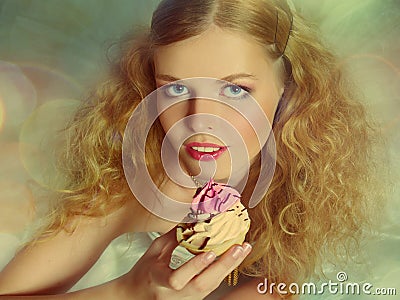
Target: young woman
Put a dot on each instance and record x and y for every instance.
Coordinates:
(259, 51)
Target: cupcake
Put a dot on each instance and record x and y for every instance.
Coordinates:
(217, 220)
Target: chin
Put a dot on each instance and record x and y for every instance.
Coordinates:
(192, 167)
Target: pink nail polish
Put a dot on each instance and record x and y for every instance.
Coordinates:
(209, 257)
(247, 248)
(237, 252)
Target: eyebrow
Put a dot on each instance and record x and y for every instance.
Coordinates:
(230, 77)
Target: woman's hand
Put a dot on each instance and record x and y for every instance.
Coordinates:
(152, 278)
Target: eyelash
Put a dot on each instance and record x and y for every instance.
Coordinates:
(246, 88)
(243, 87)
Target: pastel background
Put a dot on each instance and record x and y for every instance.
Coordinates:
(53, 51)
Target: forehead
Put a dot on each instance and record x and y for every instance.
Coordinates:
(215, 53)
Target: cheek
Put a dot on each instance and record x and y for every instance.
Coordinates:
(249, 137)
(170, 116)
(270, 110)
(269, 105)
(164, 120)
(248, 133)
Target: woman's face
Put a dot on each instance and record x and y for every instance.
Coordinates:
(217, 54)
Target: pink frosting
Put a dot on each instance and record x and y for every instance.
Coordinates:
(214, 198)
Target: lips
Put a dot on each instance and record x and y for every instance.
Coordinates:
(198, 150)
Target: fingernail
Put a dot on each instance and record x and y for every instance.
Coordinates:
(247, 248)
(209, 257)
(237, 252)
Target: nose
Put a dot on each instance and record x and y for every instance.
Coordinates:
(202, 115)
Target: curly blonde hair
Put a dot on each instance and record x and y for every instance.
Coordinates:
(319, 199)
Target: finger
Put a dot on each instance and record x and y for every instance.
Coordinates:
(212, 276)
(164, 245)
(181, 276)
(160, 275)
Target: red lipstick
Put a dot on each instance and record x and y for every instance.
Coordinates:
(198, 150)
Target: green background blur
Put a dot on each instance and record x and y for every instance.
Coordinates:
(53, 51)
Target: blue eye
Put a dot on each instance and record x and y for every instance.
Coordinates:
(176, 90)
(235, 91)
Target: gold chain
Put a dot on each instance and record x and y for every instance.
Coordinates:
(233, 277)
(196, 182)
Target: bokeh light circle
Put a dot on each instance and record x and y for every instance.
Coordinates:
(50, 83)
(1, 114)
(41, 140)
(17, 97)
